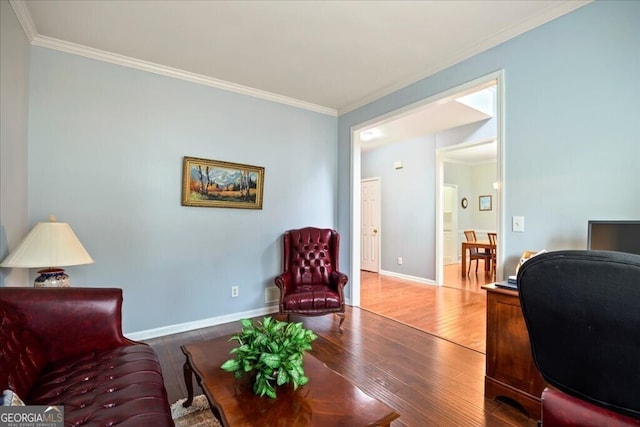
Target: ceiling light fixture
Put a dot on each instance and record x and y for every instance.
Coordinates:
(368, 135)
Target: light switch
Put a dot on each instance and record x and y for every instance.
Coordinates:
(517, 224)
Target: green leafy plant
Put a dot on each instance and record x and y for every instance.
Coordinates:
(274, 351)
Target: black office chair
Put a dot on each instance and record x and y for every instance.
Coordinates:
(582, 311)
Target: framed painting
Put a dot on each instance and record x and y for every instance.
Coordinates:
(216, 184)
(485, 203)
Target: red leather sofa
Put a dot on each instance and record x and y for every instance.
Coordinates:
(64, 346)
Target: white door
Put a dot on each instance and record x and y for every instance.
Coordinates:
(370, 225)
(450, 224)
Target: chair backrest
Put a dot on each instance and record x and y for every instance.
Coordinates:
(493, 238)
(582, 311)
(470, 235)
(311, 254)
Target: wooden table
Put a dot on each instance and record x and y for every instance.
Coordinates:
(328, 399)
(466, 246)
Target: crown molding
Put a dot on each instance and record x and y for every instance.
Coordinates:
(555, 10)
(126, 61)
(24, 17)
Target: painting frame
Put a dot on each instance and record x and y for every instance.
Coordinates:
(220, 184)
(484, 203)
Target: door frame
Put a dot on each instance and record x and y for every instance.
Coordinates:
(354, 201)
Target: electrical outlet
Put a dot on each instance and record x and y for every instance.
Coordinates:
(234, 291)
(399, 260)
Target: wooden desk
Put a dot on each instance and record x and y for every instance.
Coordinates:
(511, 371)
(479, 245)
(328, 398)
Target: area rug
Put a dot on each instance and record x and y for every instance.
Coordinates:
(196, 415)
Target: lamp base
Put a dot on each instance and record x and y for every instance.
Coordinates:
(52, 278)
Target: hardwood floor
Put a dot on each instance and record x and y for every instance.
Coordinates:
(423, 354)
(455, 312)
(428, 380)
(453, 278)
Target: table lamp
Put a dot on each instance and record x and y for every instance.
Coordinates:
(49, 244)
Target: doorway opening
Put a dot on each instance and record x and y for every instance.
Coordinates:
(471, 168)
(364, 137)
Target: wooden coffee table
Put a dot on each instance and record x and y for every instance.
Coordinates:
(328, 399)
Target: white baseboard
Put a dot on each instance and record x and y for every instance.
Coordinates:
(213, 321)
(407, 277)
(197, 324)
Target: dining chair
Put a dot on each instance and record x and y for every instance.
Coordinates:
(474, 253)
(493, 240)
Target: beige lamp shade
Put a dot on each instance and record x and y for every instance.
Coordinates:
(48, 244)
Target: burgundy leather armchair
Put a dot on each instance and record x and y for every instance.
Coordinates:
(65, 347)
(582, 312)
(311, 283)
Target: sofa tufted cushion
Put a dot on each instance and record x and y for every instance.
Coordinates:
(122, 386)
(22, 356)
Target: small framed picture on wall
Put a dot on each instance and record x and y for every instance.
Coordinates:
(485, 203)
(218, 184)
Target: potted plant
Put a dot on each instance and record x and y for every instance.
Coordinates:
(271, 350)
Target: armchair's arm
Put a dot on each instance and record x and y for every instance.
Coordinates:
(70, 321)
(283, 282)
(338, 282)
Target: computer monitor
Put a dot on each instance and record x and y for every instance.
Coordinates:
(621, 236)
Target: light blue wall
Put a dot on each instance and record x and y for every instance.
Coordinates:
(572, 141)
(474, 181)
(408, 217)
(14, 87)
(473, 132)
(106, 143)
(105, 155)
(407, 209)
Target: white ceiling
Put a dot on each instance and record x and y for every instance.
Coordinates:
(473, 154)
(445, 113)
(432, 118)
(331, 56)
